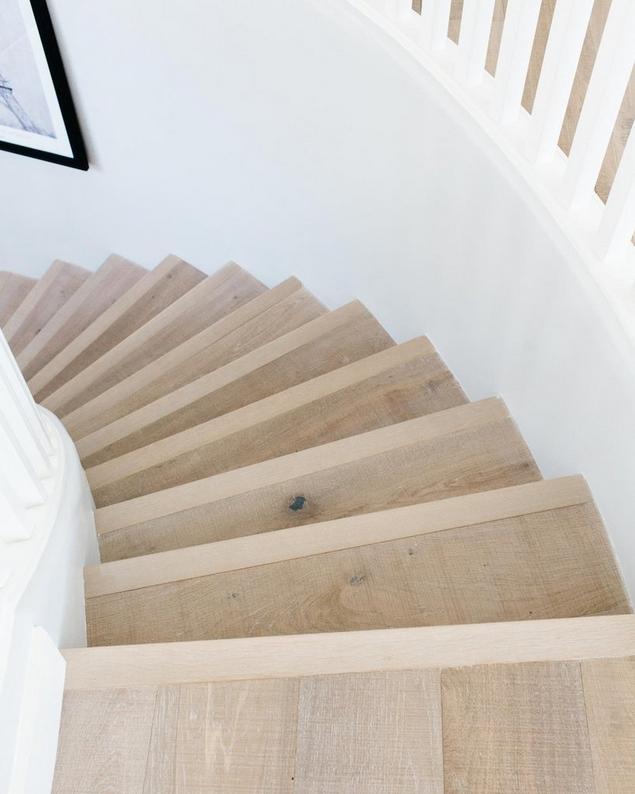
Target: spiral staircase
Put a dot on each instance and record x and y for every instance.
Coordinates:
(323, 569)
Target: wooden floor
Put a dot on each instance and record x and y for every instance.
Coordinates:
(323, 568)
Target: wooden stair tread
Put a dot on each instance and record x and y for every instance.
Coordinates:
(470, 448)
(151, 294)
(392, 386)
(531, 551)
(99, 291)
(13, 290)
(41, 303)
(332, 653)
(318, 347)
(267, 316)
(324, 570)
(391, 711)
(208, 301)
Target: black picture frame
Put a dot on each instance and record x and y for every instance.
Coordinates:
(78, 158)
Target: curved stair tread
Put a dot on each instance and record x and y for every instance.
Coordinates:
(13, 290)
(319, 346)
(397, 384)
(522, 553)
(40, 304)
(262, 319)
(399, 709)
(473, 447)
(208, 301)
(157, 289)
(99, 291)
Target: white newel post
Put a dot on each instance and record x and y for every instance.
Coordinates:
(46, 537)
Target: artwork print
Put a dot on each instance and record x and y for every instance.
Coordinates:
(37, 117)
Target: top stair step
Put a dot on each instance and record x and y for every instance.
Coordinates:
(208, 301)
(112, 280)
(52, 291)
(13, 290)
(151, 294)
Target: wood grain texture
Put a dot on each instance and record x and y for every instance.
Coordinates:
(255, 323)
(555, 563)
(494, 728)
(41, 303)
(395, 385)
(208, 301)
(222, 737)
(13, 290)
(151, 294)
(609, 692)
(112, 280)
(445, 454)
(377, 733)
(119, 666)
(104, 741)
(317, 347)
(343, 533)
(236, 736)
(516, 728)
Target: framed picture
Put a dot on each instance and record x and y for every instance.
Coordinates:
(37, 117)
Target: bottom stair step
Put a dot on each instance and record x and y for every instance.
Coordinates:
(530, 551)
(545, 706)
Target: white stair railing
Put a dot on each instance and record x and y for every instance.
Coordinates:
(601, 231)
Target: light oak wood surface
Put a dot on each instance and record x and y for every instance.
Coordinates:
(112, 280)
(553, 563)
(462, 450)
(516, 728)
(271, 314)
(522, 727)
(13, 290)
(323, 569)
(379, 733)
(124, 666)
(317, 347)
(343, 533)
(151, 294)
(211, 299)
(398, 384)
(609, 691)
(49, 294)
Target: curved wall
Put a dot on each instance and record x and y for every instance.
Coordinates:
(293, 138)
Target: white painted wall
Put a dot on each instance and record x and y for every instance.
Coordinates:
(291, 137)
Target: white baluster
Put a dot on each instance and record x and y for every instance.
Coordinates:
(519, 30)
(618, 222)
(435, 16)
(476, 28)
(559, 66)
(395, 8)
(610, 76)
